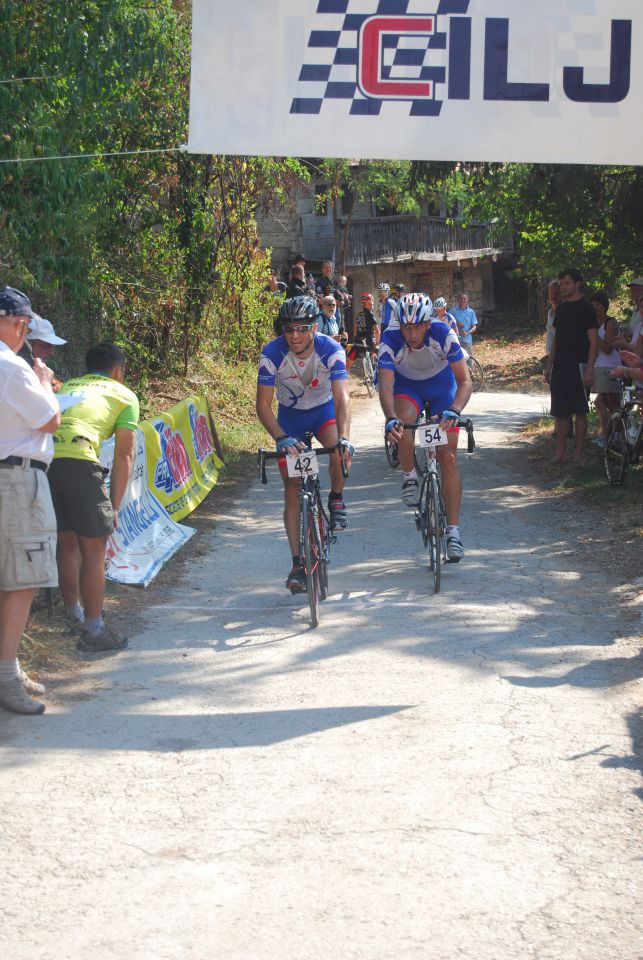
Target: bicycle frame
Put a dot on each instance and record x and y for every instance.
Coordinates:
(622, 447)
(315, 532)
(430, 514)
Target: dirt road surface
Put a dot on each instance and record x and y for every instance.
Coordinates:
(421, 778)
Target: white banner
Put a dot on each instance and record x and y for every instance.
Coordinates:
(551, 81)
(147, 536)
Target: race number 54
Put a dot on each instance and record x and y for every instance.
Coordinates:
(432, 436)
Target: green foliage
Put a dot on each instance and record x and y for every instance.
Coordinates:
(156, 250)
(585, 216)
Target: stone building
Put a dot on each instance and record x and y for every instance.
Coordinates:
(433, 254)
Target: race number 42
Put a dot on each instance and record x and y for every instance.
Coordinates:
(303, 465)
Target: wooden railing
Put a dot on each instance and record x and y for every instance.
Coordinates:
(392, 238)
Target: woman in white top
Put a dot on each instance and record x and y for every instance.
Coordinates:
(608, 397)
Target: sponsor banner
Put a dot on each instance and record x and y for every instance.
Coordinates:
(491, 80)
(146, 537)
(182, 464)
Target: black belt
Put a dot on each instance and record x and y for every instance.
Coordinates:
(20, 461)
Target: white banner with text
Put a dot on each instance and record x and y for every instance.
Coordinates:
(490, 80)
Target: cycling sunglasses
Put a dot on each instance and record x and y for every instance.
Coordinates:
(298, 328)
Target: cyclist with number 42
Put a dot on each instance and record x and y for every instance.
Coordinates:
(422, 362)
(308, 372)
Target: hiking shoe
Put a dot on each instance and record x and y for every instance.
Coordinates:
(455, 550)
(338, 512)
(15, 698)
(296, 580)
(107, 639)
(31, 686)
(410, 493)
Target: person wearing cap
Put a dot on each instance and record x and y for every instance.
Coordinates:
(29, 415)
(42, 338)
(86, 512)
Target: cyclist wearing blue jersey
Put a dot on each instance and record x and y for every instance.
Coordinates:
(440, 313)
(308, 372)
(419, 362)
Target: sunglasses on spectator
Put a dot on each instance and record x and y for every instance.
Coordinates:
(299, 328)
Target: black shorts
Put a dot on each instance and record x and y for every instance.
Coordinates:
(568, 393)
(80, 497)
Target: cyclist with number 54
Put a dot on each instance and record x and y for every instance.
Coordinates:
(422, 362)
(308, 372)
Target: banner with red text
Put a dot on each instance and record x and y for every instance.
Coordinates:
(558, 81)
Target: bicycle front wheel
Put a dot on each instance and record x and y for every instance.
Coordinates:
(616, 454)
(368, 375)
(391, 453)
(421, 459)
(323, 545)
(434, 505)
(477, 374)
(311, 562)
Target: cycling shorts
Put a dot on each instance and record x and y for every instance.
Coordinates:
(436, 391)
(296, 423)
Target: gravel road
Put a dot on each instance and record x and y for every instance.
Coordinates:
(421, 778)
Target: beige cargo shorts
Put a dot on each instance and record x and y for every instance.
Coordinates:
(27, 530)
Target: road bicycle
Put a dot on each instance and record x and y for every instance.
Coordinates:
(624, 439)
(476, 371)
(316, 535)
(369, 378)
(430, 514)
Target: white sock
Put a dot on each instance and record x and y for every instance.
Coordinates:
(411, 475)
(75, 612)
(93, 626)
(452, 531)
(9, 669)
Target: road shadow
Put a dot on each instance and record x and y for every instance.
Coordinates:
(175, 733)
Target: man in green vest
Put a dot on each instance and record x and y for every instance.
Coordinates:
(86, 512)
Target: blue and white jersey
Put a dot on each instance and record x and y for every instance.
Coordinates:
(302, 384)
(441, 348)
(388, 315)
(447, 318)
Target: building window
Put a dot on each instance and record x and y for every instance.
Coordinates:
(347, 202)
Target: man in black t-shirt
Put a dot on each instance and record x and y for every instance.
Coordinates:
(571, 363)
(365, 331)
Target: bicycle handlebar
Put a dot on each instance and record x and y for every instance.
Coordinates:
(467, 424)
(263, 455)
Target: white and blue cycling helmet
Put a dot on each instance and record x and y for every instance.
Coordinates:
(439, 303)
(414, 308)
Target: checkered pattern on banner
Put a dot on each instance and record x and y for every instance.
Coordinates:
(330, 71)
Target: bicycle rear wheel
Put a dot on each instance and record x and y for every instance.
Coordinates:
(477, 374)
(311, 562)
(434, 507)
(616, 454)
